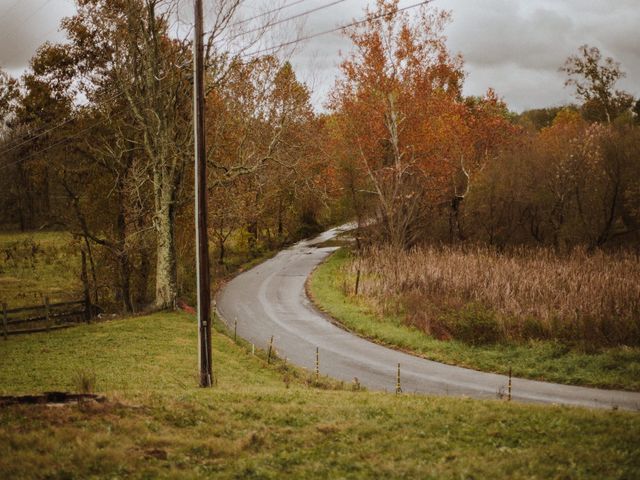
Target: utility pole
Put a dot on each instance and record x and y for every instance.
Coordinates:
(202, 241)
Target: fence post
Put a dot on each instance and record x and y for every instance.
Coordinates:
(4, 320)
(357, 281)
(47, 313)
(85, 284)
(270, 349)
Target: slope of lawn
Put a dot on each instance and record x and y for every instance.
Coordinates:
(542, 360)
(268, 421)
(34, 264)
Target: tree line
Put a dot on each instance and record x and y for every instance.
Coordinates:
(419, 162)
(96, 139)
(116, 170)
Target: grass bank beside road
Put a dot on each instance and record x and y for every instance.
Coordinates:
(617, 367)
(262, 422)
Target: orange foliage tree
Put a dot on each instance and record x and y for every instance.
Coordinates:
(264, 149)
(401, 129)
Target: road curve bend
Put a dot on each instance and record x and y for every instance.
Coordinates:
(270, 299)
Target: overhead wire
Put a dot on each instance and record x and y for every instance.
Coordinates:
(288, 19)
(40, 132)
(249, 54)
(82, 131)
(11, 7)
(332, 30)
(268, 12)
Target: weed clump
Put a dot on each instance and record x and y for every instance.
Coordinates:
(85, 381)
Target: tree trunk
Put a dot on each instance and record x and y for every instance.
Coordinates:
(25, 199)
(124, 265)
(252, 228)
(280, 223)
(142, 293)
(222, 252)
(166, 275)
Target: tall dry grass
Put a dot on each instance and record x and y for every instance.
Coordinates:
(482, 295)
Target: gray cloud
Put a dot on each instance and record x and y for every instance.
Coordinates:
(514, 46)
(26, 24)
(518, 46)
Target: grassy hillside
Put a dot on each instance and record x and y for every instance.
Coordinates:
(36, 264)
(545, 360)
(267, 421)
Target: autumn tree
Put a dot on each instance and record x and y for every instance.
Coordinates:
(483, 130)
(594, 79)
(8, 95)
(402, 123)
(35, 102)
(261, 131)
(292, 193)
(570, 184)
(396, 88)
(125, 47)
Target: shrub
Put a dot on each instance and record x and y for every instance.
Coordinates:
(84, 381)
(475, 325)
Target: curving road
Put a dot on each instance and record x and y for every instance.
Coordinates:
(270, 299)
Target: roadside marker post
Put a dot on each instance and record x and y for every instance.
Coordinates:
(270, 350)
(398, 387)
(356, 383)
(317, 364)
(509, 393)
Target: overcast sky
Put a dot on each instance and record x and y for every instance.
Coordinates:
(514, 46)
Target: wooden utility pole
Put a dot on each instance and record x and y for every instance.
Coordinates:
(202, 241)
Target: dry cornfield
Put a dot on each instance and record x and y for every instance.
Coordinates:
(521, 294)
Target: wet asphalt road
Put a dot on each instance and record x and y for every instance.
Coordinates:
(270, 299)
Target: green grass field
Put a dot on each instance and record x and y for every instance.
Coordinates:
(265, 421)
(260, 420)
(543, 360)
(36, 264)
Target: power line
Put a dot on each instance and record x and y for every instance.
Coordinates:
(268, 12)
(274, 10)
(332, 30)
(250, 54)
(84, 130)
(11, 7)
(293, 17)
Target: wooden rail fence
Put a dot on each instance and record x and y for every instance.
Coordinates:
(46, 317)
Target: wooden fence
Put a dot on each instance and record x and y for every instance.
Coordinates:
(45, 317)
